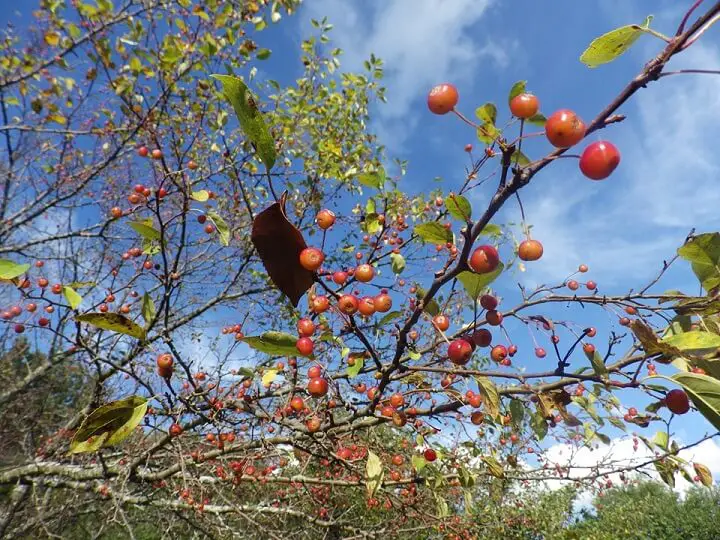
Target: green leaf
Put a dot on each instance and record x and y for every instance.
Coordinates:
(432, 307)
(145, 229)
(537, 120)
(374, 180)
(148, 308)
(517, 411)
(458, 207)
(373, 474)
(113, 322)
(491, 397)
(491, 230)
(521, 159)
(494, 467)
(372, 224)
(666, 470)
(82, 284)
(539, 425)
(517, 89)
(73, 298)
(703, 252)
(475, 284)
(695, 340)
(418, 462)
(608, 47)
(433, 233)
(397, 263)
(263, 54)
(661, 439)
(250, 117)
(200, 196)
(222, 227)
(488, 133)
(487, 113)
(109, 424)
(274, 343)
(598, 363)
(389, 317)
(11, 270)
(354, 370)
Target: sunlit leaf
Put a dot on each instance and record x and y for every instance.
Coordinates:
(433, 233)
(221, 226)
(458, 207)
(475, 284)
(609, 46)
(374, 474)
(109, 425)
(274, 343)
(491, 397)
(115, 322)
(148, 308)
(11, 270)
(397, 263)
(250, 117)
(73, 298)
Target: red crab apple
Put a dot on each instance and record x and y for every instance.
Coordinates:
(325, 219)
(441, 322)
(564, 128)
(317, 387)
(530, 250)
(677, 401)
(484, 259)
(599, 160)
(311, 258)
(459, 351)
(524, 105)
(442, 98)
(430, 455)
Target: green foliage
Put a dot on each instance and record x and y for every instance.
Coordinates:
(608, 47)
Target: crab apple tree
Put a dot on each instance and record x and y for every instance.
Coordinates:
(224, 308)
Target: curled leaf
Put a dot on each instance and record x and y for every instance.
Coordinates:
(279, 244)
(113, 322)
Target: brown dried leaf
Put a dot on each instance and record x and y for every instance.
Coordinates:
(652, 344)
(279, 244)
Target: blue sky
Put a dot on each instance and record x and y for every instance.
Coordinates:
(623, 227)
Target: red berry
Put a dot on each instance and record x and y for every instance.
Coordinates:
(311, 258)
(484, 259)
(364, 273)
(143, 151)
(540, 352)
(305, 327)
(460, 351)
(599, 160)
(589, 348)
(157, 153)
(573, 285)
(591, 285)
(366, 306)
(498, 353)
(325, 219)
(317, 387)
(441, 322)
(530, 250)
(442, 98)
(339, 277)
(430, 454)
(677, 401)
(564, 129)
(494, 318)
(524, 105)
(383, 303)
(348, 304)
(175, 430)
(482, 337)
(304, 345)
(488, 301)
(116, 212)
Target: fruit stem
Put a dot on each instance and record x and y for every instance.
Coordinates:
(464, 119)
(681, 71)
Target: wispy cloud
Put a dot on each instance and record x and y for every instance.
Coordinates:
(422, 43)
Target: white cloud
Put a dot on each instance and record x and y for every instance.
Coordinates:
(584, 461)
(423, 42)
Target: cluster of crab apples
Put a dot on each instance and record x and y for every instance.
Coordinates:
(563, 129)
